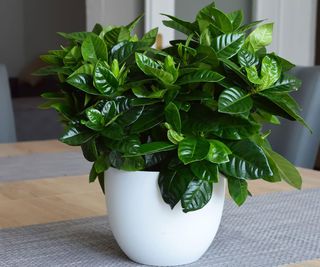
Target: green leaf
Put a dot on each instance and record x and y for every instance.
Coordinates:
(172, 115)
(285, 64)
(95, 116)
(247, 58)
(173, 184)
(141, 92)
(84, 69)
(247, 161)
(152, 68)
(75, 137)
(221, 20)
(102, 164)
(260, 37)
(76, 36)
(284, 170)
(224, 126)
(132, 25)
(154, 147)
(249, 26)
(124, 50)
(133, 164)
(236, 19)
(270, 72)
(200, 76)
(193, 149)
(197, 195)
(287, 104)
(238, 190)
(89, 150)
(253, 75)
(179, 25)
(228, 45)
(130, 117)
(93, 48)
(285, 84)
(93, 174)
(104, 80)
(150, 118)
(116, 35)
(205, 171)
(114, 131)
(83, 82)
(234, 101)
(150, 37)
(218, 152)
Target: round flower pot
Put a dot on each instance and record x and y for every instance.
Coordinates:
(146, 228)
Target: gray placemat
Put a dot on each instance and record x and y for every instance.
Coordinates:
(268, 230)
(43, 165)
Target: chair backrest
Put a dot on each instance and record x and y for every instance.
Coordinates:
(7, 124)
(290, 138)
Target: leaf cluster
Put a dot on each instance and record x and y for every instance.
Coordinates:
(190, 111)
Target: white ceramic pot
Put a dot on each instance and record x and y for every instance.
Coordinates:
(146, 228)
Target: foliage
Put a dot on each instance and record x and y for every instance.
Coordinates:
(190, 111)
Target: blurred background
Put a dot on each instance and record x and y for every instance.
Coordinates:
(28, 29)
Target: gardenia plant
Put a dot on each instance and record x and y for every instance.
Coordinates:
(190, 111)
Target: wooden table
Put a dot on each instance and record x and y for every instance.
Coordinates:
(64, 198)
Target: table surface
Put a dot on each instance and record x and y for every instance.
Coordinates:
(47, 200)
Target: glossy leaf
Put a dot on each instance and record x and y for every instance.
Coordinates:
(154, 147)
(173, 184)
(205, 171)
(287, 104)
(247, 58)
(151, 67)
(89, 150)
(179, 25)
(234, 101)
(218, 152)
(236, 19)
(93, 48)
(228, 127)
(285, 84)
(261, 36)
(238, 190)
(149, 119)
(74, 137)
(197, 195)
(201, 76)
(284, 170)
(247, 161)
(104, 80)
(150, 37)
(227, 45)
(173, 116)
(193, 149)
(270, 72)
(83, 82)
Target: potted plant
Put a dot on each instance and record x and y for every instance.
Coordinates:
(174, 126)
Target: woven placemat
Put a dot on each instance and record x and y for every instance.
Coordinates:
(269, 230)
(43, 165)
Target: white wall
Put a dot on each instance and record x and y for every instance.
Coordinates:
(113, 12)
(12, 37)
(28, 28)
(44, 18)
